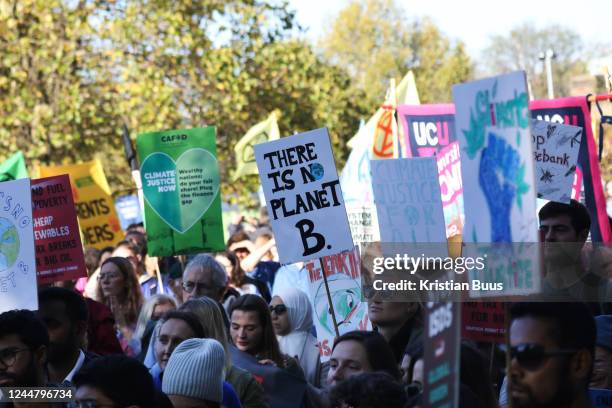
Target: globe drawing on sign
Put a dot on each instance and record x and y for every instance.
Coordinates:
(9, 244)
(346, 298)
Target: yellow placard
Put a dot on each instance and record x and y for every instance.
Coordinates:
(92, 197)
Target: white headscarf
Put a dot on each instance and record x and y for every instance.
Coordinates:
(300, 343)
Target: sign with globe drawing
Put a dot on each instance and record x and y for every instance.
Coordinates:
(17, 261)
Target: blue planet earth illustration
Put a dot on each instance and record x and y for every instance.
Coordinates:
(9, 244)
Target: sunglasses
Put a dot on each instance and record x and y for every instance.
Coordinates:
(532, 356)
(278, 309)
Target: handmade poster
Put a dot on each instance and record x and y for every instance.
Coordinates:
(282, 388)
(59, 252)
(17, 257)
(260, 133)
(441, 355)
(128, 210)
(343, 274)
(355, 179)
(408, 201)
(483, 322)
(94, 204)
(430, 131)
(575, 111)
(13, 168)
(303, 194)
(555, 152)
(180, 185)
(363, 222)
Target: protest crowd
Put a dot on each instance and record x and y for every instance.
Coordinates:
(193, 305)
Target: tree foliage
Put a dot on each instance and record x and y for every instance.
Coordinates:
(521, 49)
(376, 41)
(73, 72)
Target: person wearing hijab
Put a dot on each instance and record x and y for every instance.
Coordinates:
(292, 321)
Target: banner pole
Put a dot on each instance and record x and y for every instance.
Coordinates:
(508, 356)
(329, 299)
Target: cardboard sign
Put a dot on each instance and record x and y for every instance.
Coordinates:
(343, 274)
(128, 210)
(17, 258)
(441, 360)
(180, 184)
(92, 196)
(282, 389)
(305, 203)
(575, 111)
(430, 131)
(408, 201)
(59, 253)
(363, 221)
(555, 152)
(483, 321)
(492, 121)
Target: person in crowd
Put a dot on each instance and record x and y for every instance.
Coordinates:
(24, 342)
(117, 381)
(211, 315)
(90, 288)
(238, 279)
(359, 352)
(400, 323)
(64, 312)
(175, 327)
(552, 349)
(564, 228)
(368, 390)
(203, 276)
(252, 332)
(602, 368)
(411, 369)
(291, 313)
(152, 310)
(240, 243)
(262, 250)
(120, 291)
(194, 375)
(136, 254)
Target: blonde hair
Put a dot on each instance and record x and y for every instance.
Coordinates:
(147, 311)
(209, 314)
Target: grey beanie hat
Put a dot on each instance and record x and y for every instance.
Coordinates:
(196, 369)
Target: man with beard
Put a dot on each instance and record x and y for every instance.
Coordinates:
(23, 349)
(64, 312)
(552, 349)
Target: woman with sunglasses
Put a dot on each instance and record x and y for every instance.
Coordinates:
(120, 291)
(252, 332)
(292, 321)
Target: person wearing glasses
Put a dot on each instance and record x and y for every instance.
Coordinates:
(204, 276)
(291, 313)
(120, 291)
(24, 342)
(552, 348)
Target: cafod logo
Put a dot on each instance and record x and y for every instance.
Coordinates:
(9, 244)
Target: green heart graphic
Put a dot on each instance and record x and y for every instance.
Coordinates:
(180, 192)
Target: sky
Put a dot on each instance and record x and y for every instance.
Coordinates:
(474, 21)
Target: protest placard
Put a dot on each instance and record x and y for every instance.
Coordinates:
(555, 152)
(17, 257)
(430, 131)
(483, 321)
(575, 111)
(59, 253)
(492, 122)
(92, 196)
(343, 274)
(441, 355)
(128, 210)
(305, 203)
(180, 184)
(408, 201)
(363, 221)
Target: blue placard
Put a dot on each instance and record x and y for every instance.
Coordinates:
(128, 210)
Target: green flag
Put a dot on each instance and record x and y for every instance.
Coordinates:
(180, 185)
(14, 168)
(260, 133)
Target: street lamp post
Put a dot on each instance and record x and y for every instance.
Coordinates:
(547, 57)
